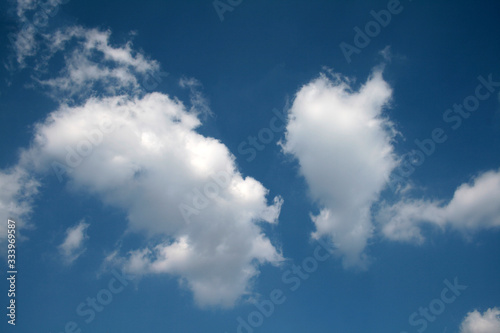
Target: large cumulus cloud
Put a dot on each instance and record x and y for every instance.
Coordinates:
(141, 153)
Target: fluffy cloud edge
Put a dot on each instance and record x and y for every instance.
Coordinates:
(487, 322)
(473, 207)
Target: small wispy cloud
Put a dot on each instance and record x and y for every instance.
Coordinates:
(474, 206)
(74, 243)
(94, 64)
(199, 102)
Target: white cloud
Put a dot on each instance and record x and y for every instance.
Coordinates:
(18, 189)
(344, 146)
(152, 162)
(25, 5)
(33, 18)
(488, 322)
(140, 152)
(473, 207)
(198, 101)
(73, 245)
(25, 44)
(94, 64)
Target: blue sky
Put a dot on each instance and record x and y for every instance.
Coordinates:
(251, 166)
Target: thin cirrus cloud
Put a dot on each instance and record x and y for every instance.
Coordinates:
(73, 245)
(140, 152)
(487, 322)
(343, 144)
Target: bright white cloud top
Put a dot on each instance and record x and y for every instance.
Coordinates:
(344, 147)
